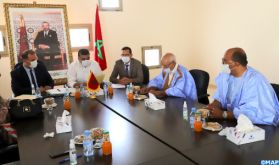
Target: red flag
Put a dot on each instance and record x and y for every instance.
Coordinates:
(99, 47)
(92, 83)
(23, 40)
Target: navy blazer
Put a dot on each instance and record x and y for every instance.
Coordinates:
(20, 80)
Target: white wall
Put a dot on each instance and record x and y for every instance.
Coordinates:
(197, 31)
(250, 24)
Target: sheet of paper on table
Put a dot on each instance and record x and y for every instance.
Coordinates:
(115, 86)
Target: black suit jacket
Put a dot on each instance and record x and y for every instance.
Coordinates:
(20, 80)
(119, 70)
(51, 40)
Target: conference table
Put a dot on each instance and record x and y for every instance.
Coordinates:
(130, 144)
(207, 147)
(140, 135)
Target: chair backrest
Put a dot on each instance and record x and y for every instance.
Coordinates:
(276, 89)
(201, 79)
(145, 71)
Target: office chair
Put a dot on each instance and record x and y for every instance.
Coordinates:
(201, 79)
(145, 71)
(276, 89)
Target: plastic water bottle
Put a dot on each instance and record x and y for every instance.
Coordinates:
(38, 93)
(127, 89)
(87, 143)
(72, 153)
(185, 111)
(192, 117)
(33, 90)
(105, 89)
(82, 91)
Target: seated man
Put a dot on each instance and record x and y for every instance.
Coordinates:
(47, 45)
(243, 90)
(174, 80)
(79, 71)
(127, 68)
(30, 72)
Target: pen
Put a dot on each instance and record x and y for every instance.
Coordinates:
(68, 159)
(58, 90)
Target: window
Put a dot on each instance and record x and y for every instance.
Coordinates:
(3, 41)
(81, 36)
(110, 5)
(151, 56)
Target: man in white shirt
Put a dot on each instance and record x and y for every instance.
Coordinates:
(79, 71)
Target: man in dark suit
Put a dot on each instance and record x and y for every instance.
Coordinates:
(127, 69)
(46, 44)
(30, 72)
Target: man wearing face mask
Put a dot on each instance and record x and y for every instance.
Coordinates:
(127, 69)
(79, 71)
(30, 72)
(243, 90)
(174, 80)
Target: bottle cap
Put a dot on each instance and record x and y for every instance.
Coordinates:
(105, 132)
(86, 132)
(185, 104)
(193, 109)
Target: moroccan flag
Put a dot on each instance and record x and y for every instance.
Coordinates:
(23, 40)
(99, 47)
(94, 80)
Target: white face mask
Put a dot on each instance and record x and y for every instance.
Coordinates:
(34, 64)
(225, 69)
(125, 59)
(85, 63)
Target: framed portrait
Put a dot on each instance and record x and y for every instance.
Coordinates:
(43, 28)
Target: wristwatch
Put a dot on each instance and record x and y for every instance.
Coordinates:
(225, 114)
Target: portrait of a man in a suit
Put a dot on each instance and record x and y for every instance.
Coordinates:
(47, 45)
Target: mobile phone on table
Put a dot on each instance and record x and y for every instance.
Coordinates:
(57, 154)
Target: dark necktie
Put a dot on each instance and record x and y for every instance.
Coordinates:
(33, 79)
(127, 70)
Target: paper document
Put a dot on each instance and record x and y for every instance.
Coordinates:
(115, 86)
(23, 97)
(60, 91)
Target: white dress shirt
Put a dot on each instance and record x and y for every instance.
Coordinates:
(79, 74)
(29, 75)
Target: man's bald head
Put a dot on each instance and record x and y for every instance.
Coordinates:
(237, 55)
(168, 59)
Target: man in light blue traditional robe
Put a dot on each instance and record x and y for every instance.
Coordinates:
(243, 90)
(174, 80)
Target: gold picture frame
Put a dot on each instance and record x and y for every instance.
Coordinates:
(27, 29)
